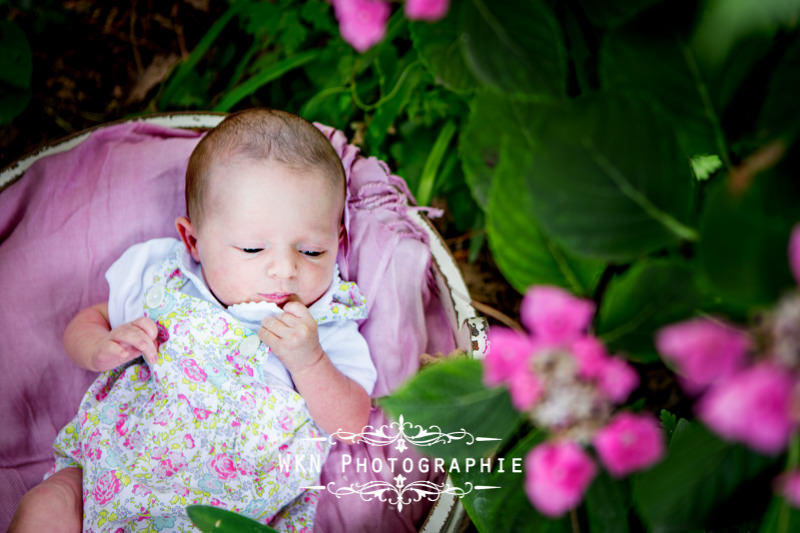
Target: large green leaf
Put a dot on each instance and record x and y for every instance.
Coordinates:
(16, 58)
(779, 116)
(515, 47)
(609, 181)
(13, 101)
(781, 517)
(608, 504)
(613, 12)
(451, 396)
(524, 254)
(660, 66)
(651, 294)
(699, 476)
(505, 507)
(743, 252)
(439, 48)
(725, 23)
(493, 120)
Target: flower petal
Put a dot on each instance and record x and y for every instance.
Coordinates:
(703, 350)
(556, 476)
(426, 9)
(508, 352)
(554, 315)
(362, 22)
(617, 379)
(753, 407)
(629, 442)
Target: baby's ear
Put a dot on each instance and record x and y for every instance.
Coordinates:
(188, 236)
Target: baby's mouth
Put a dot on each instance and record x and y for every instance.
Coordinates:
(278, 298)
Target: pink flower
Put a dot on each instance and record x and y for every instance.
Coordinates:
(525, 389)
(703, 350)
(555, 316)
(628, 443)
(509, 351)
(794, 252)
(223, 467)
(591, 356)
(556, 476)
(362, 22)
(753, 407)
(617, 379)
(426, 9)
(789, 486)
(192, 370)
(106, 487)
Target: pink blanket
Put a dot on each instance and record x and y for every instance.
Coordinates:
(74, 213)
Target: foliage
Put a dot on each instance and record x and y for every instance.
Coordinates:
(16, 68)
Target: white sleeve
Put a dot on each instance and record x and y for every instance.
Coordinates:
(130, 274)
(348, 351)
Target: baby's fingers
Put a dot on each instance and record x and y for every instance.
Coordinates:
(135, 337)
(148, 326)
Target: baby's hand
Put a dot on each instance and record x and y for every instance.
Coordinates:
(127, 342)
(293, 336)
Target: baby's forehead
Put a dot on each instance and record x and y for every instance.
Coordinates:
(239, 174)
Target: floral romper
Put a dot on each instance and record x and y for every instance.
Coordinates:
(204, 425)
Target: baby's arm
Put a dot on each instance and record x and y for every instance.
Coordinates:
(93, 344)
(335, 401)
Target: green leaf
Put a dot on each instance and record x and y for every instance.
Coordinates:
(608, 181)
(493, 120)
(669, 422)
(186, 70)
(264, 77)
(660, 66)
(391, 105)
(16, 58)
(506, 507)
(743, 253)
(319, 14)
(452, 396)
(215, 520)
(524, 254)
(13, 101)
(781, 517)
(438, 46)
(725, 23)
(515, 47)
(608, 504)
(779, 114)
(699, 475)
(651, 294)
(613, 12)
(429, 172)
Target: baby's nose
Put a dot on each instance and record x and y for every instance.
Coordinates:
(282, 264)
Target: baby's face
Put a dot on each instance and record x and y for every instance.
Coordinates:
(268, 232)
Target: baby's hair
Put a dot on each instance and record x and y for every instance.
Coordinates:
(260, 134)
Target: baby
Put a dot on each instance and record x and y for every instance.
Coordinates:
(248, 338)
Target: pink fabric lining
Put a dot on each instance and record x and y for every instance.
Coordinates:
(74, 213)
